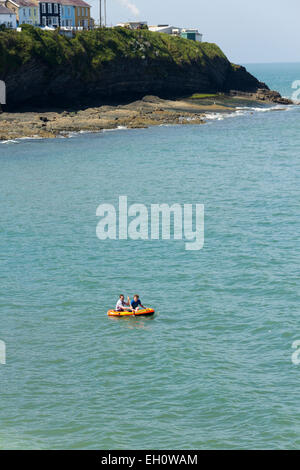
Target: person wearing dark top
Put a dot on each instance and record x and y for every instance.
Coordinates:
(136, 303)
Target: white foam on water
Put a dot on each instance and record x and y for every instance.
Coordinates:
(246, 110)
(214, 116)
(20, 139)
(222, 116)
(119, 128)
(257, 109)
(9, 141)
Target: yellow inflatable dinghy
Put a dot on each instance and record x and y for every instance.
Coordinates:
(140, 313)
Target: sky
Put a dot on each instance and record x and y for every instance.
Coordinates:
(248, 31)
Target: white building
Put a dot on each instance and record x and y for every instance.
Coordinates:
(192, 34)
(134, 25)
(7, 17)
(165, 28)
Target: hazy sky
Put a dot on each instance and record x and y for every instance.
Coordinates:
(246, 30)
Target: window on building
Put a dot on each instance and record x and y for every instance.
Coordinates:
(29, 11)
(69, 11)
(44, 21)
(82, 11)
(55, 8)
(78, 11)
(24, 11)
(63, 11)
(49, 7)
(34, 12)
(43, 7)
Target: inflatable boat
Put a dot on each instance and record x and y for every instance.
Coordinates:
(140, 313)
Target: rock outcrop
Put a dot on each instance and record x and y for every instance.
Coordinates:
(271, 96)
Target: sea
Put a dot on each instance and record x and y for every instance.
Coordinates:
(217, 367)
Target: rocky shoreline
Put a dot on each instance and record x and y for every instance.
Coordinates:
(149, 111)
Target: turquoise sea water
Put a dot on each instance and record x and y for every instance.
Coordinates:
(213, 368)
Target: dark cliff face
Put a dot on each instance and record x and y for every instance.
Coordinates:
(114, 66)
(239, 79)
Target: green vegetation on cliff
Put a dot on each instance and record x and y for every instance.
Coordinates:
(98, 47)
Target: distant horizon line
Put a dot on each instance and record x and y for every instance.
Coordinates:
(273, 62)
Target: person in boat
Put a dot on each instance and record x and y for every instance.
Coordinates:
(136, 303)
(123, 306)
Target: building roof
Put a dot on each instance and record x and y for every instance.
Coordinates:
(5, 11)
(74, 3)
(34, 3)
(162, 26)
(49, 1)
(132, 22)
(23, 3)
(26, 3)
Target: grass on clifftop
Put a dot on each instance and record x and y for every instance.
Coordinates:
(91, 50)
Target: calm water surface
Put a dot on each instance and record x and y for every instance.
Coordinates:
(213, 368)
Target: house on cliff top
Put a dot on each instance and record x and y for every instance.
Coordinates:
(8, 17)
(67, 14)
(82, 13)
(192, 34)
(165, 28)
(134, 25)
(27, 11)
(72, 13)
(51, 14)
